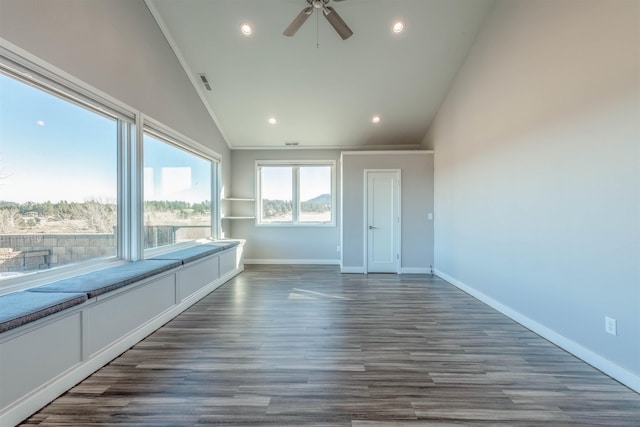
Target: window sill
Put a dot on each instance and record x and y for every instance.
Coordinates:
(297, 225)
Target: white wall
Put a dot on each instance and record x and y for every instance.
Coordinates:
(116, 47)
(280, 244)
(416, 202)
(537, 182)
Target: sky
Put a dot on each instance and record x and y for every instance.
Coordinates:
(53, 150)
(277, 182)
(173, 174)
(47, 146)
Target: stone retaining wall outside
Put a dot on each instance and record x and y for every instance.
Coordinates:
(30, 252)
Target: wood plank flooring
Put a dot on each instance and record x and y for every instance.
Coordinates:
(306, 345)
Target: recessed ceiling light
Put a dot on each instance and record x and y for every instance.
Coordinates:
(272, 120)
(246, 29)
(398, 26)
(376, 119)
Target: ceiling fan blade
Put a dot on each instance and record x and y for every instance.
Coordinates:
(298, 21)
(337, 23)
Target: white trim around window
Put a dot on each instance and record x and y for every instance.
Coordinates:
(296, 201)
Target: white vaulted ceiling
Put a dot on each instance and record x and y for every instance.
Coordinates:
(326, 96)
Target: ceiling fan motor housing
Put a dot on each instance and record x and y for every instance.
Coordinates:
(318, 4)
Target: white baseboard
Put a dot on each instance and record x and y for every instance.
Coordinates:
(403, 270)
(626, 377)
(293, 261)
(355, 270)
(415, 270)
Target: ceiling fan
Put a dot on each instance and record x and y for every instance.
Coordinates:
(330, 13)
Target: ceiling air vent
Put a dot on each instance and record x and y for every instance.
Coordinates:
(291, 143)
(205, 81)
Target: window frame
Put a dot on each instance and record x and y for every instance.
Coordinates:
(131, 125)
(295, 165)
(41, 76)
(169, 136)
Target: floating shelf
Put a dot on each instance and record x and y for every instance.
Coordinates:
(238, 199)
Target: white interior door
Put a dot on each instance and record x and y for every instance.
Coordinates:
(383, 221)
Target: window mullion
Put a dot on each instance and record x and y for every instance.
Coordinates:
(258, 194)
(122, 224)
(128, 193)
(135, 196)
(295, 203)
(216, 224)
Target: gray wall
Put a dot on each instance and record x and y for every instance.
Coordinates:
(417, 202)
(117, 47)
(537, 182)
(282, 244)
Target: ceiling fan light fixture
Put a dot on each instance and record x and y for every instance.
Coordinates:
(398, 26)
(246, 29)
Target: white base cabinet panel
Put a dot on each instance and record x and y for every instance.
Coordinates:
(41, 360)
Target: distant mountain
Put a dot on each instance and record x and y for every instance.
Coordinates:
(323, 199)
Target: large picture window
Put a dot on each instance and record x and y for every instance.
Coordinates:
(177, 194)
(58, 180)
(298, 193)
(82, 185)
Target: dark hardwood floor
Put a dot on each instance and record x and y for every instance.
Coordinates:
(305, 345)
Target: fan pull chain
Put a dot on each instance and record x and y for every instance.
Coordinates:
(318, 30)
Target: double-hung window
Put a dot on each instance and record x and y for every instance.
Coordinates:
(295, 193)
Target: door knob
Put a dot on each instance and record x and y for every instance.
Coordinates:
(371, 227)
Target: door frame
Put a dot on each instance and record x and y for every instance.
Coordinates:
(397, 241)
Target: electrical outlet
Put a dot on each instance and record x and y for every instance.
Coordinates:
(610, 326)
